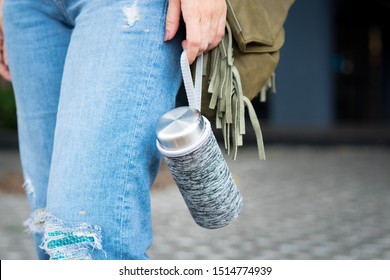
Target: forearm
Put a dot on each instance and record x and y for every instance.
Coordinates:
(1, 14)
(4, 70)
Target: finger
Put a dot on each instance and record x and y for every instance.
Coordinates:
(206, 35)
(218, 27)
(209, 24)
(193, 40)
(218, 33)
(172, 19)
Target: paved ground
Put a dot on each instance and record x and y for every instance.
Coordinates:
(302, 203)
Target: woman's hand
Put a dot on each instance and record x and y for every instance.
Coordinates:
(205, 24)
(4, 70)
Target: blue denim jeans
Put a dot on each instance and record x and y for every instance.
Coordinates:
(91, 79)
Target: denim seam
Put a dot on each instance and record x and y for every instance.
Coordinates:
(63, 11)
(143, 89)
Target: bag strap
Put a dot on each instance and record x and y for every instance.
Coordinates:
(194, 92)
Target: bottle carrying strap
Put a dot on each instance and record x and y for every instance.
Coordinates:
(193, 91)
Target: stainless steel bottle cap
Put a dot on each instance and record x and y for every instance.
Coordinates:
(179, 128)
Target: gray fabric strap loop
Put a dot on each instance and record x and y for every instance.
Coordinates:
(194, 92)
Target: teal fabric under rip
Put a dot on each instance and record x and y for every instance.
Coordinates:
(70, 242)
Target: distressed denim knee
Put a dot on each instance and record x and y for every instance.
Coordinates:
(71, 242)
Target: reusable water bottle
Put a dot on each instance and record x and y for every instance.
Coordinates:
(194, 159)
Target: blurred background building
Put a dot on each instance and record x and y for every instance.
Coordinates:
(334, 73)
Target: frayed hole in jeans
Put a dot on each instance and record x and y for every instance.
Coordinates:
(36, 222)
(70, 242)
(131, 14)
(29, 187)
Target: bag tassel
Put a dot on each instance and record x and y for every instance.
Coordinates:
(228, 100)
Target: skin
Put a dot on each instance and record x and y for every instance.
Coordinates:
(4, 70)
(205, 26)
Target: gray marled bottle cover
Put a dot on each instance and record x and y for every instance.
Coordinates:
(206, 185)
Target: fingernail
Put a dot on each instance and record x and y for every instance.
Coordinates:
(167, 35)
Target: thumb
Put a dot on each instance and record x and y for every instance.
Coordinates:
(172, 19)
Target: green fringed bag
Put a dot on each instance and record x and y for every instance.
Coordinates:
(243, 67)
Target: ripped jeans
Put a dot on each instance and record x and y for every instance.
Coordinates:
(91, 79)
